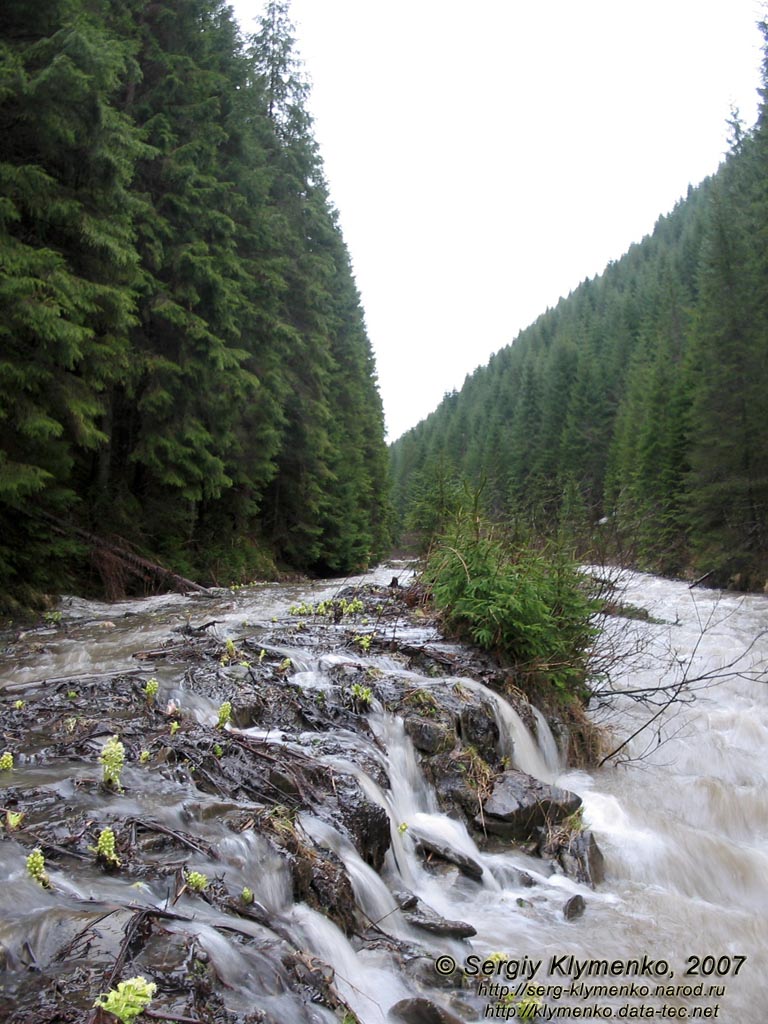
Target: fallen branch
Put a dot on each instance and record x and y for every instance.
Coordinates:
(132, 562)
(700, 579)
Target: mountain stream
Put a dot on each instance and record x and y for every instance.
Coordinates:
(678, 928)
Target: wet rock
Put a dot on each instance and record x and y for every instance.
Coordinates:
(478, 728)
(521, 804)
(405, 899)
(418, 1010)
(367, 825)
(428, 920)
(284, 783)
(331, 745)
(456, 790)
(319, 879)
(427, 735)
(574, 907)
(582, 859)
(466, 865)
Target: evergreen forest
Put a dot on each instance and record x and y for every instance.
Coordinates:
(631, 420)
(185, 375)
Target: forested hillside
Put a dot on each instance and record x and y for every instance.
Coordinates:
(184, 368)
(635, 413)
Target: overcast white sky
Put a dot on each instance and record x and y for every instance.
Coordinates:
(485, 158)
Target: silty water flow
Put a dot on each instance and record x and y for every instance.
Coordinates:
(683, 823)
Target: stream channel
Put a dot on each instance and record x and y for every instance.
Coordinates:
(677, 927)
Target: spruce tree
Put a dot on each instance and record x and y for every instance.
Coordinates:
(69, 279)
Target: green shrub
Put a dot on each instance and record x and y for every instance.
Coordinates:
(533, 608)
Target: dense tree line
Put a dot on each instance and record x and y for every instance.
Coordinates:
(636, 411)
(184, 365)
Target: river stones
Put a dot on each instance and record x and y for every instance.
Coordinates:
(321, 881)
(574, 907)
(424, 917)
(520, 804)
(582, 859)
(405, 899)
(466, 865)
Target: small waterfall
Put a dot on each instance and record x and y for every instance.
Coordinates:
(367, 982)
(547, 744)
(516, 740)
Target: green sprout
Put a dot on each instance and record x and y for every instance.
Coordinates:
(402, 827)
(144, 756)
(174, 727)
(196, 881)
(218, 750)
(128, 1000)
(284, 665)
(150, 689)
(72, 694)
(301, 609)
(364, 642)
(13, 819)
(36, 867)
(246, 895)
(112, 759)
(52, 618)
(6, 762)
(361, 696)
(105, 849)
(230, 652)
(19, 704)
(225, 714)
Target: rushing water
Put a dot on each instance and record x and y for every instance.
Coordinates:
(682, 820)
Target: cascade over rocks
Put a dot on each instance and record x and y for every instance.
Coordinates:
(292, 752)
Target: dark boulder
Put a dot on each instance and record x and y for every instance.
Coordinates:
(366, 824)
(427, 735)
(582, 859)
(478, 728)
(574, 907)
(521, 804)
